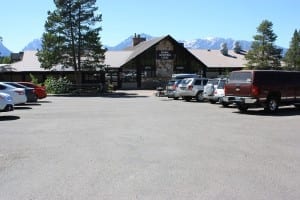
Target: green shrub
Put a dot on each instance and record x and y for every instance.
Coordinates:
(57, 86)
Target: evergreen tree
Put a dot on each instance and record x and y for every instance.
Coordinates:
(263, 53)
(292, 57)
(5, 60)
(71, 36)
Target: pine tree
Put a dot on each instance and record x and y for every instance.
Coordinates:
(263, 53)
(71, 36)
(292, 57)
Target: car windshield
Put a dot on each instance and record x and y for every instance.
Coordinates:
(185, 81)
(212, 81)
(170, 83)
(177, 82)
(221, 84)
(240, 77)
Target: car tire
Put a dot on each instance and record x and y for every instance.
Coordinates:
(35, 98)
(9, 108)
(187, 98)
(242, 108)
(212, 101)
(175, 98)
(272, 104)
(199, 96)
(225, 104)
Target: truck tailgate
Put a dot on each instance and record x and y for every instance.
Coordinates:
(238, 89)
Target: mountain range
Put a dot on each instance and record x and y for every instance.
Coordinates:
(3, 50)
(207, 43)
(212, 43)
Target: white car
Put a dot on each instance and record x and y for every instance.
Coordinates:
(218, 92)
(209, 88)
(192, 88)
(6, 102)
(18, 94)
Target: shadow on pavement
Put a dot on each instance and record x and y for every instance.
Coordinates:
(282, 112)
(9, 118)
(44, 101)
(22, 107)
(32, 104)
(105, 95)
(121, 94)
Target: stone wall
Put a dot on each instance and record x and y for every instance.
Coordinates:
(164, 59)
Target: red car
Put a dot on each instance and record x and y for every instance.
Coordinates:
(40, 91)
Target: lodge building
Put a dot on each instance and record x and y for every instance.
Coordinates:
(147, 64)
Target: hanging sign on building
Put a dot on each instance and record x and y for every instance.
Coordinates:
(164, 55)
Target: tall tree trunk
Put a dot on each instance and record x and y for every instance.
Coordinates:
(79, 40)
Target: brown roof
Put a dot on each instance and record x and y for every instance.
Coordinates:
(31, 63)
(115, 59)
(215, 59)
(143, 46)
(6, 68)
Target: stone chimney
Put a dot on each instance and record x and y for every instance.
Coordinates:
(137, 39)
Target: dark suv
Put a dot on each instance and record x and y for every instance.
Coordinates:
(263, 88)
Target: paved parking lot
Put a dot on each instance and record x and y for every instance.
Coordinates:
(138, 146)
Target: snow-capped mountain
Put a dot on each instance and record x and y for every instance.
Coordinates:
(127, 43)
(4, 51)
(214, 43)
(33, 45)
(207, 43)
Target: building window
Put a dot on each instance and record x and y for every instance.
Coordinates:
(149, 72)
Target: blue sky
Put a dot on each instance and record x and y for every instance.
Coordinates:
(23, 21)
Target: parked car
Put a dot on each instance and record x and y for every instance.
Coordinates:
(192, 88)
(6, 102)
(214, 91)
(262, 88)
(40, 91)
(18, 94)
(30, 94)
(172, 85)
(210, 87)
(172, 89)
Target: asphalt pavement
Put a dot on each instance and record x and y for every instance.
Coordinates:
(134, 145)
